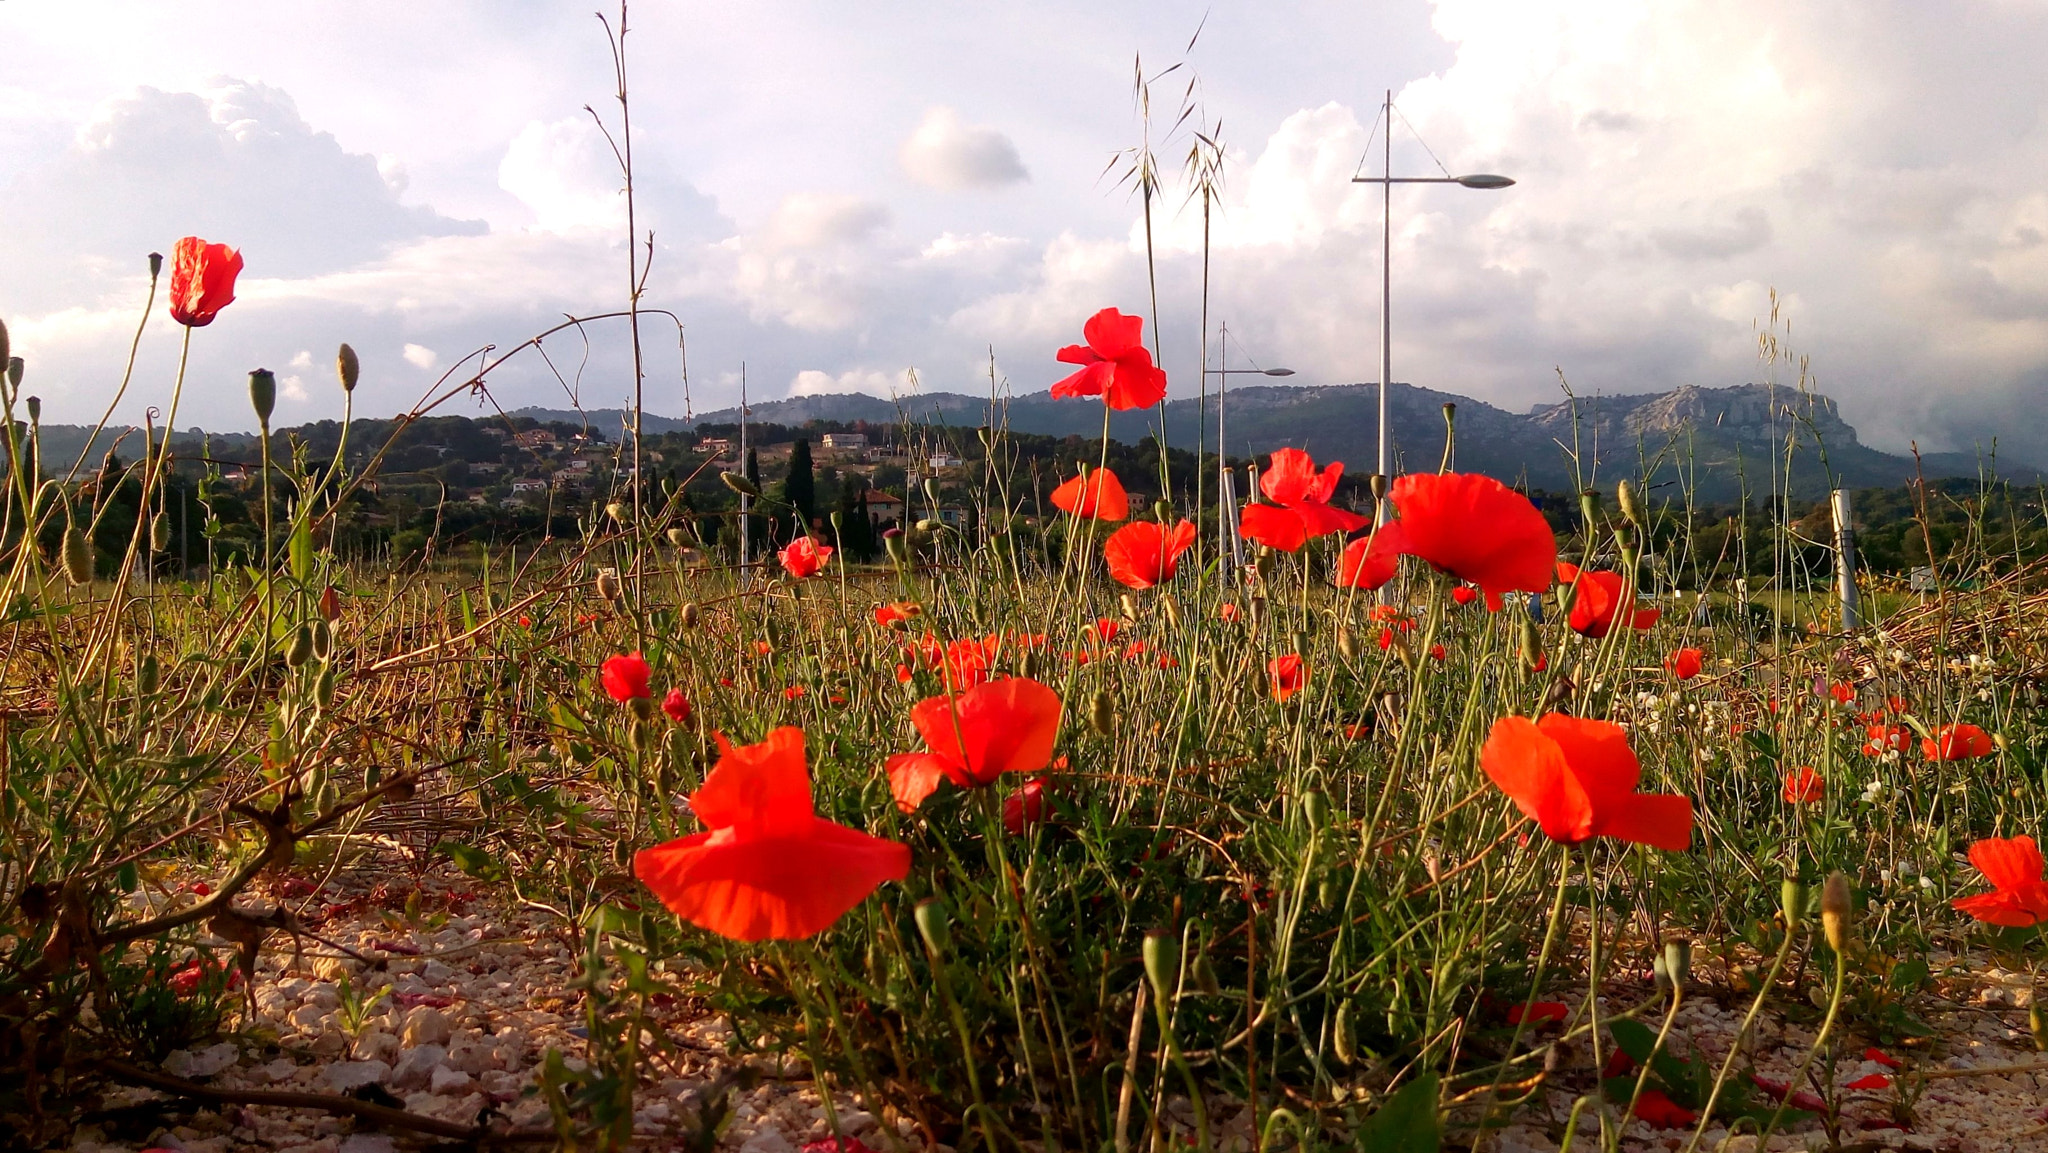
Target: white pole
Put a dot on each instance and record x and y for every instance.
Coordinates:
(1226, 511)
(745, 502)
(1386, 458)
(1845, 560)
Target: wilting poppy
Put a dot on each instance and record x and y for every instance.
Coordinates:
(1143, 553)
(1115, 363)
(1540, 1011)
(1473, 527)
(1104, 498)
(1286, 676)
(625, 677)
(1886, 739)
(1024, 808)
(896, 612)
(1870, 1082)
(768, 867)
(1881, 1057)
(677, 706)
(1598, 598)
(1360, 566)
(1685, 664)
(2019, 896)
(1653, 1106)
(1957, 743)
(1302, 495)
(1577, 779)
(1803, 786)
(202, 280)
(1004, 726)
(805, 557)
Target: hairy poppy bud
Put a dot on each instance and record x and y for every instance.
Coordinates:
(1343, 1039)
(77, 556)
(898, 551)
(263, 394)
(687, 615)
(740, 484)
(1162, 511)
(1531, 642)
(1102, 713)
(323, 689)
(1315, 808)
(1792, 901)
(148, 674)
(933, 926)
(1162, 964)
(608, 583)
(618, 511)
(1625, 496)
(1347, 644)
(323, 639)
(1837, 911)
(1678, 962)
(930, 525)
(301, 649)
(160, 532)
(348, 368)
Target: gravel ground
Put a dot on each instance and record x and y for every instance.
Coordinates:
(475, 997)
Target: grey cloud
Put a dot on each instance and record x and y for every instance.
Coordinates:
(1749, 230)
(947, 153)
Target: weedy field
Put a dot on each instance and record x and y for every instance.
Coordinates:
(1457, 832)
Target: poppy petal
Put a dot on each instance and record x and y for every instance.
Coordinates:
(758, 790)
(1090, 381)
(781, 888)
(915, 776)
(1111, 333)
(1659, 820)
(1276, 528)
(1530, 768)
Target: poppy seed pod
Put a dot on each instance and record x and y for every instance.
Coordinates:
(34, 403)
(160, 532)
(1102, 713)
(5, 354)
(1792, 901)
(608, 583)
(156, 265)
(740, 484)
(1162, 964)
(1589, 505)
(1378, 483)
(263, 394)
(348, 368)
(77, 556)
(148, 674)
(934, 927)
(14, 371)
(1837, 911)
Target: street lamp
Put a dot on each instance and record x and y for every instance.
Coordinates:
(1226, 481)
(1386, 180)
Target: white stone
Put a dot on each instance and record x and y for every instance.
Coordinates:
(445, 1081)
(768, 1139)
(437, 974)
(343, 1076)
(205, 1062)
(377, 1045)
(323, 994)
(426, 1025)
(307, 1016)
(416, 1066)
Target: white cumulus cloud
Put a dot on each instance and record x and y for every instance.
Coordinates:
(947, 153)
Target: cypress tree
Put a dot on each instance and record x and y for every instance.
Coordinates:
(801, 486)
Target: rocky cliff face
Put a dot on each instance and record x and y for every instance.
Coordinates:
(1752, 415)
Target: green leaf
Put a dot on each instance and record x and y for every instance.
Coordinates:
(472, 860)
(1407, 1123)
(302, 549)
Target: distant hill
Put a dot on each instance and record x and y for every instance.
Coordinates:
(1719, 439)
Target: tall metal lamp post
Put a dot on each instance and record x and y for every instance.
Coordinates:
(1228, 543)
(1386, 180)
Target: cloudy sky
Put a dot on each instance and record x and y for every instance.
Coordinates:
(841, 193)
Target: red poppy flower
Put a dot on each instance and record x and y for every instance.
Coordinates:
(1803, 786)
(1599, 597)
(903, 674)
(1661, 1111)
(1361, 566)
(2019, 896)
(1685, 664)
(1540, 1011)
(1895, 704)
(525, 622)
(1004, 726)
(1386, 639)
(1024, 808)
(1142, 554)
(1105, 629)
(1105, 498)
(967, 662)
(1464, 594)
(805, 557)
(1577, 779)
(1436, 652)
(677, 706)
(1229, 611)
(1303, 498)
(1957, 743)
(202, 280)
(1286, 676)
(1115, 363)
(1475, 528)
(1872, 1081)
(1881, 1057)
(1842, 692)
(896, 612)
(768, 867)
(1886, 739)
(625, 677)
(794, 692)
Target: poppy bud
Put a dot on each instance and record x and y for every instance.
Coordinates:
(1204, 973)
(1589, 505)
(35, 403)
(348, 368)
(1343, 1041)
(930, 525)
(1837, 911)
(1129, 606)
(618, 511)
(1162, 511)
(1792, 901)
(1347, 644)
(1162, 964)
(323, 639)
(677, 537)
(330, 603)
(1378, 483)
(148, 674)
(1531, 642)
(263, 394)
(1315, 808)
(608, 583)
(77, 556)
(301, 649)
(1625, 496)
(931, 490)
(933, 926)
(1102, 713)
(740, 484)
(2037, 1023)
(687, 616)
(898, 551)
(323, 689)
(1678, 962)
(160, 532)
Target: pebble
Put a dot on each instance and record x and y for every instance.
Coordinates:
(203, 1063)
(426, 1025)
(445, 1080)
(343, 1076)
(416, 1066)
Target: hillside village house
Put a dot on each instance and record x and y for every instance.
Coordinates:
(884, 509)
(854, 441)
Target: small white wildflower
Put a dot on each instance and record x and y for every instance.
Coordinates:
(1873, 791)
(1927, 882)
